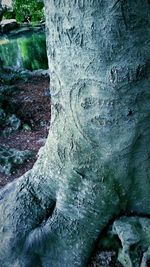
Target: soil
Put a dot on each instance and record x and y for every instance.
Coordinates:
(33, 102)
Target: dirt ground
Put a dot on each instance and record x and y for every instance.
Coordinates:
(33, 101)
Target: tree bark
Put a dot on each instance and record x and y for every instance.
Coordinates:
(95, 164)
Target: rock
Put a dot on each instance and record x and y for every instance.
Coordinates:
(37, 73)
(134, 234)
(2, 117)
(10, 158)
(127, 237)
(40, 72)
(8, 25)
(26, 127)
(8, 90)
(7, 131)
(14, 122)
(7, 3)
(9, 78)
(41, 141)
(9, 122)
(8, 119)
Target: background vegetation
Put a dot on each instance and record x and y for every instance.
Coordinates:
(26, 11)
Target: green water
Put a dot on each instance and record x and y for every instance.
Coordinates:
(24, 52)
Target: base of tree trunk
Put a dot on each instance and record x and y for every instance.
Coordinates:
(95, 164)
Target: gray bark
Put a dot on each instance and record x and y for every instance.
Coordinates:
(95, 164)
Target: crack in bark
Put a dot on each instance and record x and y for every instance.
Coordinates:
(123, 15)
(116, 3)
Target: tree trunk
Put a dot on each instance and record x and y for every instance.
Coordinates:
(95, 164)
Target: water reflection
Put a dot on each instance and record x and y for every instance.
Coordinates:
(25, 52)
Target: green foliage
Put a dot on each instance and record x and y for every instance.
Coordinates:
(27, 51)
(29, 10)
(35, 48)
(9, 14)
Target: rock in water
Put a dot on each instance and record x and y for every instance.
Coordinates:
(8, 25)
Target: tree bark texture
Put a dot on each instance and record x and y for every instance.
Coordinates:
(95, 164)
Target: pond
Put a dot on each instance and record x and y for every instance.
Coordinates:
(27, 51)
